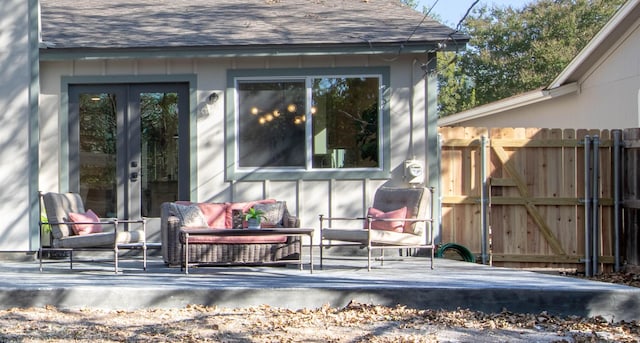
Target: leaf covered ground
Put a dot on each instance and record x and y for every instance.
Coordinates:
(354, 323)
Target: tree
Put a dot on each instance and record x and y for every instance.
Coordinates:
(516, 50)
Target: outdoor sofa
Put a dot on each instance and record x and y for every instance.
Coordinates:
(227, 250)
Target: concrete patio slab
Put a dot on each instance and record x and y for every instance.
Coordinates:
(410, 282)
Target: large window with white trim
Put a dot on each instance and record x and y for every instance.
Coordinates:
(308, 123)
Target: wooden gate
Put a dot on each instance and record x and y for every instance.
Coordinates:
(528, 185)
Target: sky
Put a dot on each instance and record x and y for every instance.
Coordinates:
(451, 11)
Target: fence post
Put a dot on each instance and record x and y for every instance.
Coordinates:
(595, 193)
(484, 198)
(587, 209)
(617, 148)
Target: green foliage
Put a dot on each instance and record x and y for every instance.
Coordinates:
(252, 213)
(410, 3)
(517, 50)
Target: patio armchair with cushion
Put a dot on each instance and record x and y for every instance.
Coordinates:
(399, 218)
(75, 229)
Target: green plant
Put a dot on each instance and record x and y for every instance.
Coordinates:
(45, 224)
(252, 213)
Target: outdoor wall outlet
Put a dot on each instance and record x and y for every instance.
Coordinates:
(413, 171)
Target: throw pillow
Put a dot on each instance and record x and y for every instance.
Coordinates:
(396, 226)
(214, 214)
(190, 215)
(273, 213)
(90, 220)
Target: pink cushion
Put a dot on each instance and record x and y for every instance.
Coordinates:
(236, 239)
(88, 217)
(243, 206)
(397, 226)
(215, 214)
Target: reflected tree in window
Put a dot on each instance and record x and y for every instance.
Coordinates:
(345, 122)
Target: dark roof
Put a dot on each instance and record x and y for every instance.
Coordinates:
(230, 23)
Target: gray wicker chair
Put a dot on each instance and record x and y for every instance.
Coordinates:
(58, 206)
(417, 231)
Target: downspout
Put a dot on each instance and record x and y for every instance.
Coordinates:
(432, 172)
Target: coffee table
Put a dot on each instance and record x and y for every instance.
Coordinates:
(187, 233)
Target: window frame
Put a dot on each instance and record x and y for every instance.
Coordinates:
(234, 172)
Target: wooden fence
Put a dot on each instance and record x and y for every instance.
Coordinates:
(631, 197)
(516, 196)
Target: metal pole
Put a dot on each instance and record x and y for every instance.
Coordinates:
(617, 140)
(587, 210)
(483, 197)
(596, 204)
(438, 193)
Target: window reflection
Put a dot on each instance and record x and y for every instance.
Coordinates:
(345, 122)
(344, 114)
(271, 124)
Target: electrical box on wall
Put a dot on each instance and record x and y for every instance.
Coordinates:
(413, 172)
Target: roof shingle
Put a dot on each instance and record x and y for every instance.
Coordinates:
(229, 23)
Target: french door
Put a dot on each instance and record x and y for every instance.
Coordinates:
(128, 147)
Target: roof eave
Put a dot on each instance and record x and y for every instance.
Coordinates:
(49, 53)
(507, 104)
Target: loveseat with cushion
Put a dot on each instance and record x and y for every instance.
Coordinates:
(227, 250)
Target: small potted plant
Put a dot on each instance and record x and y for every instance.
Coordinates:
(253, 218)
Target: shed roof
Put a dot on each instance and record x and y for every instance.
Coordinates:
(126, 24)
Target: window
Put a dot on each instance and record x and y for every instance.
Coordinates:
(308, 124)
(345, 112)
(271, 124)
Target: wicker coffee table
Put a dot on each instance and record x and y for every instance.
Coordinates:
(187, 236)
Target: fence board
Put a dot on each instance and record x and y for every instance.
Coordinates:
(536, 190)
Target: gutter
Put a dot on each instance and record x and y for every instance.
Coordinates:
(51, 52)
(510, 103)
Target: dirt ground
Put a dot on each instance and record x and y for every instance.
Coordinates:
(353, 323)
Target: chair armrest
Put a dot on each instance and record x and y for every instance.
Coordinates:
(323, 218)
(109, 222)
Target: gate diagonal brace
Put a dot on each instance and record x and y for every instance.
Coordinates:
(531, 209)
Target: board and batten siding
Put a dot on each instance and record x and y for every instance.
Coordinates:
(305, 198)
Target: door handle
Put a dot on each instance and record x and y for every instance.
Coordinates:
(133, 177)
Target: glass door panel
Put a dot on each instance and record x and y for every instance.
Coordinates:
(97, 152)
(159, 151)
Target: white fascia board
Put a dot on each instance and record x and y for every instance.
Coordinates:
(507, 104)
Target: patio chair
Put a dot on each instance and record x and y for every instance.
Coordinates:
(74, 229)
(400, 218)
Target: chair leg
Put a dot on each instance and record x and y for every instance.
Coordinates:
(368, 258)
(144, 256)
(40, 252)
(432, 255)
(115, 258)
(321, 254)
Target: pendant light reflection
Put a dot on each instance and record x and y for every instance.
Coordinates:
(266, 117)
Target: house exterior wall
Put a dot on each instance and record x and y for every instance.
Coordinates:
(19, 73)
(607, 97)
(305, 198)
